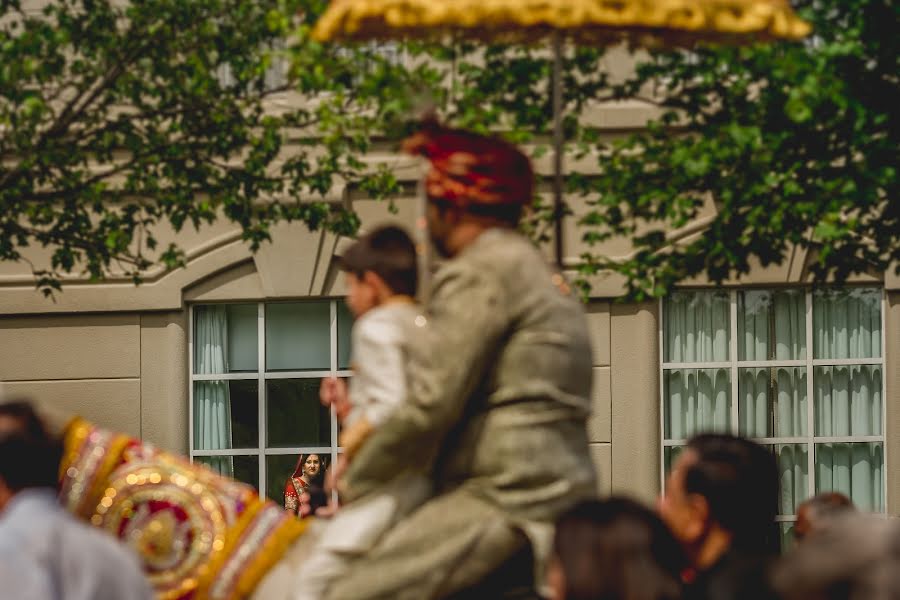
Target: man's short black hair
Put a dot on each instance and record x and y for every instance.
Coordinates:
(388, 252)
(739, 480)
(29, 455)
(617, 548)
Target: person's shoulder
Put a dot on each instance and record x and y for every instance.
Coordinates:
(499, 247)
(385, 324)
(374, 320)
(20, 573)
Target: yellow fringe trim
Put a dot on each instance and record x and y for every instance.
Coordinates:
(270, 553)
(75, 434)
(263, 559)
(598, 21)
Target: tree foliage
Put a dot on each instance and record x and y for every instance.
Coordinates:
(795, 144)
(116, 117)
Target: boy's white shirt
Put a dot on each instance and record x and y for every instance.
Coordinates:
(380, 339)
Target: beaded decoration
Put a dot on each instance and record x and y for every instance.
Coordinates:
(198, 534)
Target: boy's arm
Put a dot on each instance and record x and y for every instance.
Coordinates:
(466, 321)
(352, 437)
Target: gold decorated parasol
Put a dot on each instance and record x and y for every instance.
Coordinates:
(589, 22)
(586, 21)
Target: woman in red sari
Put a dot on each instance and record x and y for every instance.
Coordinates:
(307, 472)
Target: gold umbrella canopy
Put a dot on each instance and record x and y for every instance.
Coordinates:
(586, 22)
(591, 22)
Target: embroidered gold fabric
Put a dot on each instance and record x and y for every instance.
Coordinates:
(197, 534)
(588, 21)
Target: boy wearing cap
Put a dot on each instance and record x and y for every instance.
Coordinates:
(497, 397)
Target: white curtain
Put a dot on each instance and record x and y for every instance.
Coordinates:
(756, 389)
(848, 402)
(697, 327)
(698, 401)
(847, 323)
(848, 398)
(773, 402)
(212, 401)
(793, 468)
(771, 325)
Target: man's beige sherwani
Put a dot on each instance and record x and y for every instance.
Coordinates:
(499, 386)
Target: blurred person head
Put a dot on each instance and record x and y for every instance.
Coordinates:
(856, 557)
(814, 514)
(475, 182)
(378, 266)
(721, 493)
(614, 549)
(29, 455)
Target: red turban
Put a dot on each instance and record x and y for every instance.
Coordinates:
(467, 168)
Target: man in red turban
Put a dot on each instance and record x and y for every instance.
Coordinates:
(499, 383)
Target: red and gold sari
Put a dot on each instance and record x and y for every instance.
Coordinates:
(295, 487)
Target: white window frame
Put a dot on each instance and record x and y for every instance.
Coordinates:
(261, 376)
(809, 363)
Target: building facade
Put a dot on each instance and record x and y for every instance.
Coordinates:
(221, 359)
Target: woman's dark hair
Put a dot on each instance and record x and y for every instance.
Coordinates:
(388, 252)
(617, 549)
(29, 455)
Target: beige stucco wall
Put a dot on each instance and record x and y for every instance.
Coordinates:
(123, 362)
(128, 370)
(79, 364)
(624, 429)
(600, 425)
(635, 399)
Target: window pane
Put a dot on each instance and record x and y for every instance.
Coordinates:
(793, 469)
(787, 536)
(243, 349)
(771, 325)
(243, 468)
(696, 400)
(295, 417)
(281, 467)
(847, 323)
(772, 402)
(856, 470)
(670, 455)
(298, 336)
(344, 324)
(697, 326)
(226, 414)
(848, 400)
(225, 338)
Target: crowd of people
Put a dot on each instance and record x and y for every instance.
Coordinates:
(465, 470)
